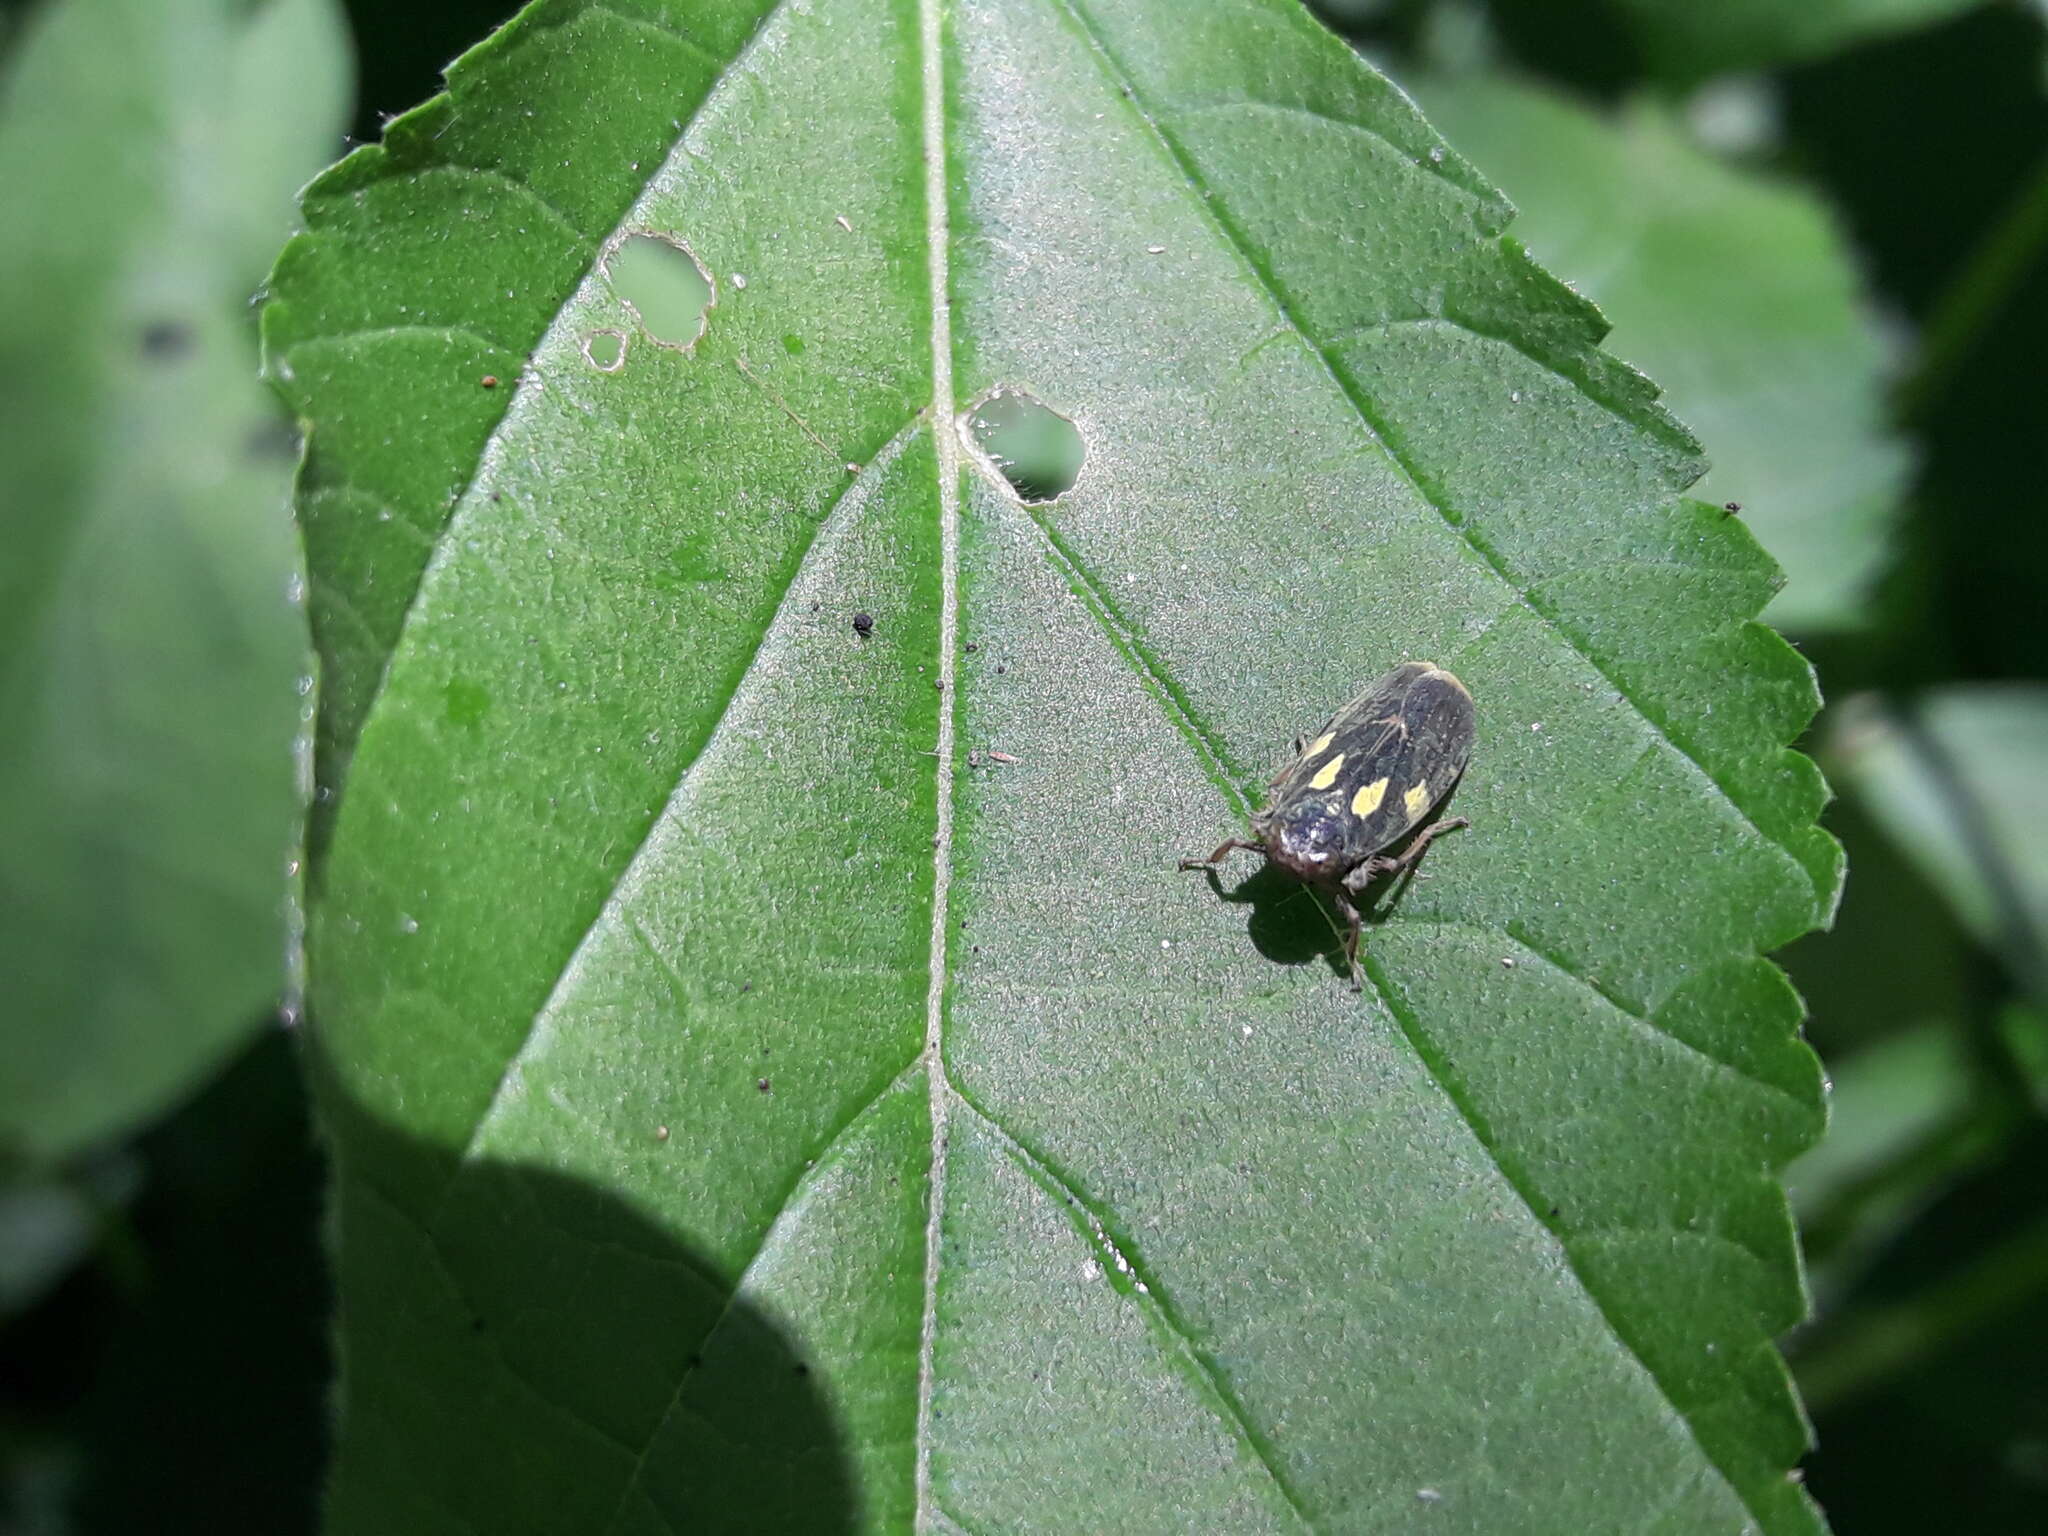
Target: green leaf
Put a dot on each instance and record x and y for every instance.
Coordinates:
(48, 1225)
(1955, 778)
(1738, 296)
(149, 644)
(1903, 1125)
(1884, 1100)
(754, 1100)
(1688, 41)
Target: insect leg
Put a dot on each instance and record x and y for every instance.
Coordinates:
(1385, 864)
(1223, 851)
(1353, 923)
(1364, 875)
(1423, 839)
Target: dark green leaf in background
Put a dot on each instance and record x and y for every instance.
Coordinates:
(1737, 296)
(1888, 1097)
(755, 1101)
(1686, 40)
(47, 1225)
(150, 650)
(1956, 780)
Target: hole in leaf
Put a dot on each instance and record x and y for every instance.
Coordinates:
(1030, 444)
(606, 350)
(664, 285)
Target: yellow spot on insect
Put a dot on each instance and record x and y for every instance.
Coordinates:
(1327, 774)
(1315, 747)
(1368, 798)
(1416, 801)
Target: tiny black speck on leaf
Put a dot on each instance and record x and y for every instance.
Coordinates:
(762, 1084)
(863, 624)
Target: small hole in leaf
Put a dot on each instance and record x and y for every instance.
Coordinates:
(1030, 444)
(665, 287)
(606, 350)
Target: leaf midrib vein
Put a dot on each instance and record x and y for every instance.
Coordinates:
(947, 462)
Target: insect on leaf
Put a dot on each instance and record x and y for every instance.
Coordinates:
(776, 1070)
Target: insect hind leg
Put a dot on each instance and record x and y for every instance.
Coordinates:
(1388, 864)
(1409, 856)
(1355, 883)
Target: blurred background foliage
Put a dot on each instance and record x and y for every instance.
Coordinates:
(1820, 226)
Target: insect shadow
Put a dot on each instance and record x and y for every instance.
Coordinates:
(1292, 923)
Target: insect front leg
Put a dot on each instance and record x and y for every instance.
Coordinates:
(1223, 852)
(1354, 922)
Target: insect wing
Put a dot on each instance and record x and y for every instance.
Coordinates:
(1380, 701)
(1386, 758)
(1418, 754)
